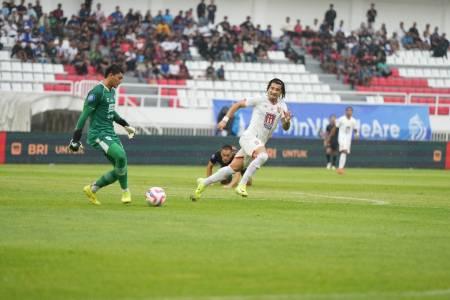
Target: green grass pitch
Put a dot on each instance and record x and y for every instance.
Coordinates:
(303, 233)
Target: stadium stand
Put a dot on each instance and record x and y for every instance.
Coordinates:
(414, 75)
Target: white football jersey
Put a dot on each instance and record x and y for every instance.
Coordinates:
(346, 126)
(265, 117)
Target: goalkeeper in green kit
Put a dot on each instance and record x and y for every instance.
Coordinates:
(99, 106)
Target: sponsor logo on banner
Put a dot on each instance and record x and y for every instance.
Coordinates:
(417, 129)
(16, 148)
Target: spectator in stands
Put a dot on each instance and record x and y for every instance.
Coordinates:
(58, 14)
(179, 22)
(174, 70)
(168, 18)
(38, 9)
(435, 37)
(83, 13)
(298, 28)
(400, 32)
(80, 64)
(18, 51)
(5, 10)
(212, 9)
(211, 72)
(221, 73)
(249, 50)
(201, 12)
(117, 15)
(99, 13)
(268, 31)
(414, 33)
(184, 72)
(247, 25)
(330, 16)
(224, 25)
(371, 14)
(21, 8)
(340, 28)
(287, 28)
(442, 47)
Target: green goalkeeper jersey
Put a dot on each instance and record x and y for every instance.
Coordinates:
(99, 106)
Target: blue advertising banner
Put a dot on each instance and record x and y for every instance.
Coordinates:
(375, 122)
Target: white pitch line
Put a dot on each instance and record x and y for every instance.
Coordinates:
(396, 295)
(374, 201)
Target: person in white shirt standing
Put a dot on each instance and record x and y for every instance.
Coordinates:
(268, 109)
(347, 127)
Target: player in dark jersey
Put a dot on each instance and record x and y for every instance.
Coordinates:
(223, 157)
(331, 143)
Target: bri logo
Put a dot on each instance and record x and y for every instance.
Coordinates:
(417, 129)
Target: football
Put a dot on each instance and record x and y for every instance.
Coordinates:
(155, 196)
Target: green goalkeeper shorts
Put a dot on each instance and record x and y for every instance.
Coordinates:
(104, 141)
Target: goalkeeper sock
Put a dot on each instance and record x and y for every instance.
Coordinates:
(123, 180)
(94, 187)
(342, 160)
(257, 163)
(221, 174)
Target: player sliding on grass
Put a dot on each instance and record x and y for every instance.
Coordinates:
(99, 106)
(267, 111)
(347, 127)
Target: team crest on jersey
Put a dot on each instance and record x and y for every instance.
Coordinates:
(91, 98)
(108, 138)
(269, 120)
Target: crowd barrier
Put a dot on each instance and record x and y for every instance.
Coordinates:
(46, 148)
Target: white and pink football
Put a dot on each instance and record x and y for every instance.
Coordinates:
(155, 196)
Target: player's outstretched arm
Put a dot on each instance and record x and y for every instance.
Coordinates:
(209, 169)
(230, 114)
(130, 130)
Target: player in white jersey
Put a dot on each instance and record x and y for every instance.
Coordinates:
(268, 109)
(347, 127)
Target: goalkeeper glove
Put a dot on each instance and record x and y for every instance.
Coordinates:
(131, 131)
(75, 146)
(75, 143)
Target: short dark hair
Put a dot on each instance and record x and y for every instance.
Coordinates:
(349, 107)
(227, 147)
(280, 82)
(113, 69)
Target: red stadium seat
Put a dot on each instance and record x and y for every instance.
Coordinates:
(431, 110)
(60, 76)
(443, 110)
(48, 87)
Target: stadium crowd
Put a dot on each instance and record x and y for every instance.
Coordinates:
(150, 46)
(358, 55)
(157, 46)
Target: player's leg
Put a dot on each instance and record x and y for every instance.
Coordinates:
(334, 156)
(328, 156)
(260, 157)
(118, 154)
(343, 150)
(221, 174)
(105, 179)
